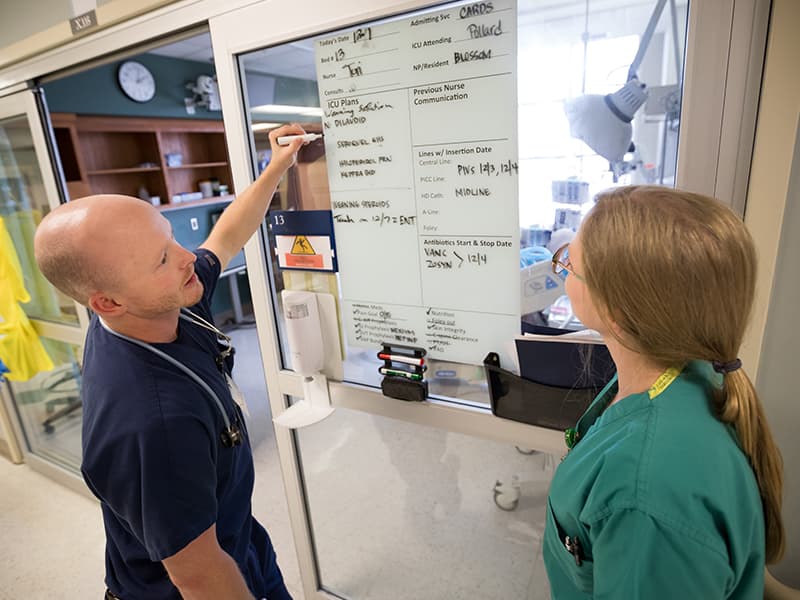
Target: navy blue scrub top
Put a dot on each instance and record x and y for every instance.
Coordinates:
(152, 454)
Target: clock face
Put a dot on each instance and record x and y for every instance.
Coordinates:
(136, 81)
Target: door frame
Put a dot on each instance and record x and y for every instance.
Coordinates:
(715, 97)
(26, 103)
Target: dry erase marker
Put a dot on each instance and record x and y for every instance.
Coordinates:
(285, 140)
(406, 374)
(400, 358)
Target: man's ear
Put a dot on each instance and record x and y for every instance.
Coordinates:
(105, 306)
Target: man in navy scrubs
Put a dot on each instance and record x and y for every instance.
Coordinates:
(165, 447)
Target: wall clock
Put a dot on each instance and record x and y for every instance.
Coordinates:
(136, 81)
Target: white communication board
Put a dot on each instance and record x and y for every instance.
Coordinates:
(420, 124)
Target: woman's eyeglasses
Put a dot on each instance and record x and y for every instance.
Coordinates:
(561, 263)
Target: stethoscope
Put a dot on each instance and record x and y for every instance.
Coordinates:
(231, 435)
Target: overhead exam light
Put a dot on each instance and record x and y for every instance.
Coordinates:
(604, 122)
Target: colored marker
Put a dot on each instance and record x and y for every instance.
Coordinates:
(285, 140)
(400, 358)
(389, 348)
(395, 372)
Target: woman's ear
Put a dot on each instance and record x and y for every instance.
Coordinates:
(618, 332)
(610, 323)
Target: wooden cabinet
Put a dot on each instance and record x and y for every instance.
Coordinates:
(122, 155)
(66, 134)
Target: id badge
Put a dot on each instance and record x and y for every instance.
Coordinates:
(237, 395)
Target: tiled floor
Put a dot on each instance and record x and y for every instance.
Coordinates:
(52, 540)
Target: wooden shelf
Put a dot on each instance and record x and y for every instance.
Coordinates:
(97, 153)
(123, 171)
(199, 165)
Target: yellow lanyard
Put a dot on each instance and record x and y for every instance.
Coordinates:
(663, 382)
(571, 435)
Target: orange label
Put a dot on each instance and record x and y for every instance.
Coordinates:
(305, 261)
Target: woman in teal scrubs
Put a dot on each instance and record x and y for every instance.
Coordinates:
(671, 487)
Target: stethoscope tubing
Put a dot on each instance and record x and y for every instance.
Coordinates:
(197, 379)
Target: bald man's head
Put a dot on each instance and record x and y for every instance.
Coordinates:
(78, 244)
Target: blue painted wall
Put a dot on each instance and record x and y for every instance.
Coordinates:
(96, 91)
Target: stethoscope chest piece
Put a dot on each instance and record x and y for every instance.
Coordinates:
(231, 436)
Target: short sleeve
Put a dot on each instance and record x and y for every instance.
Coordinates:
(161, 478)
(208, 269)
(639, 557)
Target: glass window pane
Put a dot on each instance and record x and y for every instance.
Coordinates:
(49, 407)
(23, 203)
(598, 105)
(404, 511)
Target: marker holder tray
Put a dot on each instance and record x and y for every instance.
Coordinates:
(408, 384)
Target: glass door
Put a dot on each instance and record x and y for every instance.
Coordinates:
(43, 330)
(462, 144)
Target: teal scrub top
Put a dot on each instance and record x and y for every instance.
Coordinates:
(661, 499)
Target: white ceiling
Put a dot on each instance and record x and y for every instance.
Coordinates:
(288, 60)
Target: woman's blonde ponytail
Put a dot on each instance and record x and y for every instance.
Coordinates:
(738, 404)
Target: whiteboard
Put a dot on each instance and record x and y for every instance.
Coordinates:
(420, 127)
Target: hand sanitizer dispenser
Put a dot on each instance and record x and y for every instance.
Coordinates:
(306, 348)
(304, 331)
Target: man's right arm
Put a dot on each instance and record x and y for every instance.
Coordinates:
(203, 570)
